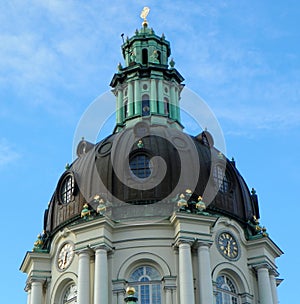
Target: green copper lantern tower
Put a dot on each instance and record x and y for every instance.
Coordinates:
(148, 86)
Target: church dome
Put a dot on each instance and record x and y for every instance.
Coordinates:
(148, 164)
(145, 165)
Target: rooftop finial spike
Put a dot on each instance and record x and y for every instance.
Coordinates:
(144, 15)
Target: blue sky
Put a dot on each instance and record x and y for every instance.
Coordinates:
(56, 57)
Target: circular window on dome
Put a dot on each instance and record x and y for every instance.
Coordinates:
(67, 189)
(140, 165)
(221, 179)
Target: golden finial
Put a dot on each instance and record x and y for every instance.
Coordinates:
(144, 15)
(130, 290)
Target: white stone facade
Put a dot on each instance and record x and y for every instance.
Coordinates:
(182, 249)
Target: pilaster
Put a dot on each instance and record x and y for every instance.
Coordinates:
(169, 286)
(137, 98)
(118, 290)
(130, 99)
(153, 97)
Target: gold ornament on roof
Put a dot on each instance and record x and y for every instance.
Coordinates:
(144, 15)
(130, 290)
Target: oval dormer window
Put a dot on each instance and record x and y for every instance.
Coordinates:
(67, 189)
(221, 179)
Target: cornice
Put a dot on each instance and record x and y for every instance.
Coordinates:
(267, 243)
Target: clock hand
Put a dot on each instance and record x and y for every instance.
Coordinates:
(228, 248)
(65, 257)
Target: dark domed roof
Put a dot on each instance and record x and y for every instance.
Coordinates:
(147, 164)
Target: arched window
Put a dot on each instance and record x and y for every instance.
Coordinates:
(140, 165)
(145, 105)
(226, 291)
(67, 189)
(125, 108)
(145, 56)
(70, 295)
(166, 106)
(159, 56)
(221, 179)
(147, 282)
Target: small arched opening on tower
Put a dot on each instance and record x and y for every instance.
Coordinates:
(166, 106)
(145, 56)
(159, 56)
(125, 108)
(145, 105)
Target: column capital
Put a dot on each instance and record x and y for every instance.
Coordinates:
(27, 286)
(202, 244)
(264, 265)
(273, 272)
(37, 280)
(85, 250)
(246, 298)
(102, 246)
(118, 286)
(169, 282)
(182, 240)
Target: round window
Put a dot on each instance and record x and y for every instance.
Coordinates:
(140, 165)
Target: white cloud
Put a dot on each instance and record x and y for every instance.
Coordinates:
(7, 153)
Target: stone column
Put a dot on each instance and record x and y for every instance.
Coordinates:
(186, 281)
(101, 276)
(273, 274)
(36, 292)
(28, 290)
(205, 280)
(264, 286)
(83, 292)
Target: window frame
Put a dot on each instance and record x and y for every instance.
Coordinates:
(145, 285)
(221, 178)
(223, 293)
(145, 172)
(66, 189)
(64, 293)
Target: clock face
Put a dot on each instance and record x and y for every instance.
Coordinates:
(228, 245)
(65, 256)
